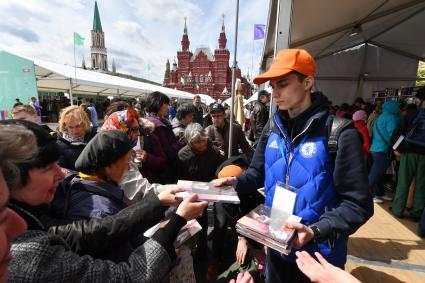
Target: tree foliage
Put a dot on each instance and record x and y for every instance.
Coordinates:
(421, 73)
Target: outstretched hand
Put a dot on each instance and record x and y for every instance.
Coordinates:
(243, 278)
(190, 208)
(168, 197)
(228, 181)
(303, 236)
(322, 271)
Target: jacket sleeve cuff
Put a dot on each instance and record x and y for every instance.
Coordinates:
(324, 228)
(167, 235)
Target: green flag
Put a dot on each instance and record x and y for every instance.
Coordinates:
(182, 80)
(149, 67)
(78, 39)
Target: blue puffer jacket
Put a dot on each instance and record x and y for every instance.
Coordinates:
(384, 126)
(336, 199)
(308, 167)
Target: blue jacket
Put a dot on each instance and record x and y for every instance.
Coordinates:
(384, 126)
(334, 198)
(306, 165)
(85, 205)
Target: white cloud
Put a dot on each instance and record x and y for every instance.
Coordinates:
(137, 32)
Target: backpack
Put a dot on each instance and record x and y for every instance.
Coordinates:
(334, 125)
(416, 135)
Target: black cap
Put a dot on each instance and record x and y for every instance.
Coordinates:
(105, 148)
(48, 150)
(216, 108)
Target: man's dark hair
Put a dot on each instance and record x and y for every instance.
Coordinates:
(263, 93)
(155, 100)
(184, 110)
(116, 106)
(301, 77)
(196, 96)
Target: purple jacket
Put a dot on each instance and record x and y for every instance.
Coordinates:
(169, 142)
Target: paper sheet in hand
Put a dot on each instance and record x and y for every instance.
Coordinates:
(208, 192)
(191, 228)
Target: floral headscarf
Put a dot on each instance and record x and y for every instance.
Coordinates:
(119, 121)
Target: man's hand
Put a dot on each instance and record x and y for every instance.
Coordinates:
(168, 197)
(241, 250)
(190, 209)
(243, 278)
(304, 233)
(322, 271)
(141, 155)
(228, 181)
(397, 155)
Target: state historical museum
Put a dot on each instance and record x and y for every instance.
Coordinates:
(203, 72)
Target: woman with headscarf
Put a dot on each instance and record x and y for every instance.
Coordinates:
(152, 156)
(74, 133)
(157, 112)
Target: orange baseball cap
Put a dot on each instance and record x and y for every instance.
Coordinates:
(230, 171)
(286, 61)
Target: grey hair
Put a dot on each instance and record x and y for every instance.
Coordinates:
(194, 131)
(17, 144)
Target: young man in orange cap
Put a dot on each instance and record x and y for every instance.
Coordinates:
(293, 163)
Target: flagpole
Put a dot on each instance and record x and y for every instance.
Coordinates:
(75, 73)
(232, 101)
(75, 76)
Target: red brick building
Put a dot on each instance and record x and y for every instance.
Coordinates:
(203, 71)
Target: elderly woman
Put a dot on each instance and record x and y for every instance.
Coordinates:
(74, 133)
(157, 112)
(95, 192)
(17, 144)
(151, 155)
(40, 256)
(198, 161)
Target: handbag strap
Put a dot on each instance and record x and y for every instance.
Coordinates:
(379, 133)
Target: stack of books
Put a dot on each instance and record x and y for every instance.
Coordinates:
(267, 227)
(208, 192)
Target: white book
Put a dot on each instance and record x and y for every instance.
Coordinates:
(208, 192)
(186, 232)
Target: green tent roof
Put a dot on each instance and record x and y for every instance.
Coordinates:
(97, 25)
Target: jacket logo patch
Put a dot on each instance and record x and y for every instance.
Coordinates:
(308, 149)
(274, 144)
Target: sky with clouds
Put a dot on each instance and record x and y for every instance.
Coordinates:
(137, 32)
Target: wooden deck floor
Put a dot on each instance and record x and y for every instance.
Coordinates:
(387, 249)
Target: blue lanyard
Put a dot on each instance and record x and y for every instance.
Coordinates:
(291, 156)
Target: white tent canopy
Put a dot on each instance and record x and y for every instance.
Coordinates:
(228, 101)
(254, 97)
(206, 99)
(56, 77)
(359, 46)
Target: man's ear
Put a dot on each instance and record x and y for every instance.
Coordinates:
(308, 82)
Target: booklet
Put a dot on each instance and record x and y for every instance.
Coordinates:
(208, 192)
(259, 225)
(191, 228)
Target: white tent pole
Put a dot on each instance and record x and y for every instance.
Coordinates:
(282, 34)
(232, 101)
(361, 76)
(70, 91)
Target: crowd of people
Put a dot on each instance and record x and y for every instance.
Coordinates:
(76, 200)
